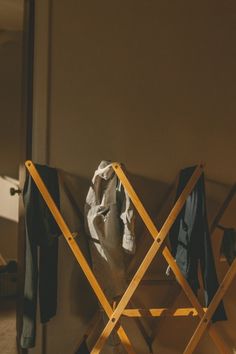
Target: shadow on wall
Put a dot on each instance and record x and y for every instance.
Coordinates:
(81, 295)
(82, 302)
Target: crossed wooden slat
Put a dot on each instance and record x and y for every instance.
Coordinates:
(159, 237)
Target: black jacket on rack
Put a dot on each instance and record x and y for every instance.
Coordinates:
(191, 244)
(41, 254)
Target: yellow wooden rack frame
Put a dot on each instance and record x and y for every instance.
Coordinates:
(159, 237)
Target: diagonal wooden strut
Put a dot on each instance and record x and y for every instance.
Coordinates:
(204, 323)
(158, 241)
(77, 252)
(215, 336)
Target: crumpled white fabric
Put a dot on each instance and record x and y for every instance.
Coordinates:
(109, 217)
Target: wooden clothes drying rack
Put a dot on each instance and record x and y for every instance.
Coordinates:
(114, 315)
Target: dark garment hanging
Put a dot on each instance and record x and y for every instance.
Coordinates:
(191, 244)
(228, 245)
(41, 254)
(83, 349)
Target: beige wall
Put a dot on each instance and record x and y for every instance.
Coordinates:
(151, 84)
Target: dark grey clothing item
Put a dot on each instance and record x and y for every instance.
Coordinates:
(228, 245)
(41, 240)
(191, 244)
(83, 349)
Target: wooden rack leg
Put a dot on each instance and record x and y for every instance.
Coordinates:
(158, 240)
(216, 337)
(204, 323)
(77, 252)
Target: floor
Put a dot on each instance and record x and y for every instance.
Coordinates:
(7, 326)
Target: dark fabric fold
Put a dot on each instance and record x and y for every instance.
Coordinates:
(191, 244)
(41, 254)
